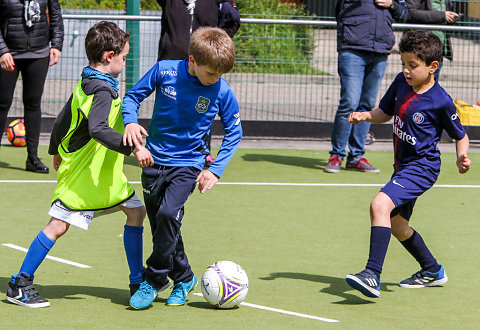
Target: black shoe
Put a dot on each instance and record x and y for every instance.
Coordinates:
(22, 293)
(133, 288)
(34, 164)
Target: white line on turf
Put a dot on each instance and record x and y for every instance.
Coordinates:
(292, 184)
(68, 262)
(271, 309)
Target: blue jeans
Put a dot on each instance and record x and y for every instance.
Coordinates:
(360, 74)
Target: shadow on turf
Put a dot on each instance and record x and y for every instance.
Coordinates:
(116, 296)
(7, 165)
(314, 163)
(337, 286)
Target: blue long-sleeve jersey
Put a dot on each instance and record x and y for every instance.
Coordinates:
(183, 114)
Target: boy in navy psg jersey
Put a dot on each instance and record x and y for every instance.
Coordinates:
(188, 96)
(421, 110)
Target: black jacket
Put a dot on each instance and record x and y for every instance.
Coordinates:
(177, 24)
(364, 26)
(420, 11)
(16, 36)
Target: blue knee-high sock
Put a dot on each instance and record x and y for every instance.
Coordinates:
(379, 240)
(418, 249)
(133, 243)
(37, 251)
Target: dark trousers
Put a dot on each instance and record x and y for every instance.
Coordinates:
(34, 72)
(165, 191)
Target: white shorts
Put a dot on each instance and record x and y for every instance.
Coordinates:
(82, 219)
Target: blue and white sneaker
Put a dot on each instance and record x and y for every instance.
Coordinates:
(146, 294)
(22, 292)
(422, 279)
(178, 297)
(366, 282)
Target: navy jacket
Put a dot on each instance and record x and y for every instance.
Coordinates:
(364, 26)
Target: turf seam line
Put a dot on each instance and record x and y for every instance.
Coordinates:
(292, 184)
(64, 261)
(282, 311)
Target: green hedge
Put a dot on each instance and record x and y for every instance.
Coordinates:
(273, 48)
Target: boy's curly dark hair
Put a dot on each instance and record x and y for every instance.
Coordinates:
(102, 37)
(426, 45)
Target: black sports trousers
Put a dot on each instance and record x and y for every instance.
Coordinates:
(34, 72)
(165, 191)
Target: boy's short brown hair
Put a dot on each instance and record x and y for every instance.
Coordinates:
(213, 47)
(426, 45)
(103, 37)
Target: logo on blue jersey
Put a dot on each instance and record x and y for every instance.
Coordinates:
(169, 91)
(454, 116)
(418, 118)
(202, 104)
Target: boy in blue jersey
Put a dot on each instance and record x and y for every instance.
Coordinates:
(421, 110)
(188, 96)
(87, 148)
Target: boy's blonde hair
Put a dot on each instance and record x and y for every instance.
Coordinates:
(212, 47)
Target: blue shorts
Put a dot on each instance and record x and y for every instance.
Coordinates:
(404, 188)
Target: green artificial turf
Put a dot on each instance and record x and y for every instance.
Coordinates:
(296, 243)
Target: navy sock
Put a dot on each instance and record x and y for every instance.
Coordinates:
(37, 251)
(379, 240)
(418, 249)
(133, 243)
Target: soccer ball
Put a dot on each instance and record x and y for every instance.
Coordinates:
(16, 133)
(224, 284)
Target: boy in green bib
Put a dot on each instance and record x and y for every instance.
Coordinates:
(88, 152)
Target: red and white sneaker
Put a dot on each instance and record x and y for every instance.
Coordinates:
(361, 164)
(334, 164)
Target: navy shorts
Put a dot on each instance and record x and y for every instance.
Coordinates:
(404, 188)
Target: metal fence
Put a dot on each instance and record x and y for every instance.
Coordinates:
(291, 75)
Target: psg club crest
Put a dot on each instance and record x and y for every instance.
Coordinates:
(418, 118)
(202, 104)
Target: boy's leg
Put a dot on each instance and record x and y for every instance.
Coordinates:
(21, 290)
(133, 242)
(166, 189)
(368, 280)
(431, 273)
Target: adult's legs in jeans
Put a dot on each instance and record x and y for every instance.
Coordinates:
(374, 71)
(34, 73)
(351, 67)
(8, 80)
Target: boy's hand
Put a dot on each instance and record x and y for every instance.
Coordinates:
(463, 164)
(357, 117)
(206, 180)
(144, 156)
(57, 160)
(133, 135)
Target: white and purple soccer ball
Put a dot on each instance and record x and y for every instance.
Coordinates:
(224, 284)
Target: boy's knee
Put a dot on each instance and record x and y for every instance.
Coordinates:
(136, 216)
(56, 228)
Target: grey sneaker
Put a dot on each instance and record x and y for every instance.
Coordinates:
(334, 164)
(361, 164)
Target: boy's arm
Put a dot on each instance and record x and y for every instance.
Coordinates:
(376, 116)
(131, 103)
(98, 126)
(232, 127)
(463, 162)
(60, 127)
